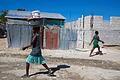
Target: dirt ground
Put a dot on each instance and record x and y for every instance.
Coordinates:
(65, 64)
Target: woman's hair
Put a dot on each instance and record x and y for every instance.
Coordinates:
(96, 32)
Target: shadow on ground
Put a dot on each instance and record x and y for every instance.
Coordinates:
(54, 69)
(97, 53)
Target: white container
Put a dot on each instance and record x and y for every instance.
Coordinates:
(36, 14)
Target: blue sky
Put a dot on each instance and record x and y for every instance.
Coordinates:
(71, 9)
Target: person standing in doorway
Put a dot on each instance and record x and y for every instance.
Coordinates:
(95, 41)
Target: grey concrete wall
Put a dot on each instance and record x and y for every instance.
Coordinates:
(109, 30)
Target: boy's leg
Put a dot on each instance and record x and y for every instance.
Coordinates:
(100, 52)
(98, 48)
(91, 52)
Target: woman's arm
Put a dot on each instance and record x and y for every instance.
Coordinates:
(32, 42)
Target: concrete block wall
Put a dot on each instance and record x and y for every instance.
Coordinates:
(109, 30)
(98, 23)
(114, 21)
(78, 24)
(88, 35)
(71, 25)
(74, 24)
(110, 37)
(87, 21)
(68, 25)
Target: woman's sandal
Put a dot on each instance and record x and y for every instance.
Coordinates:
(25, 76)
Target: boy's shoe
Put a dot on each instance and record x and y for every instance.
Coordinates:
(97, 53)
(90, 55)
(100, 53)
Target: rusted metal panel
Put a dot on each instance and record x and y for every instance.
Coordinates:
(47, 33)
(51, 39)
(55, 40)
(41, 38)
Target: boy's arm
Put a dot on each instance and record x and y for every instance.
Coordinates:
(100, 40)
(91, 42)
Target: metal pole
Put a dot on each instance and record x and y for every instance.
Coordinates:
(83, 30)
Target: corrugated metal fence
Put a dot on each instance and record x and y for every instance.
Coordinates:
(20, 35)
(67, 39)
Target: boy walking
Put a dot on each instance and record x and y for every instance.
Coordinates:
(95, 41)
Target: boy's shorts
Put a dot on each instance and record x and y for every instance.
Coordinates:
(95, 45)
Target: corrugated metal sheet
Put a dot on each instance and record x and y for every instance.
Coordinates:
(18, 35)
(27, 14)
(48, 39)
(73, 35)
(79, 43)
(64, 39)
(51, 15)
(55, 39)
(72, 39)
(67, 39)
(15, 21)
(26, 35)
(18, 14)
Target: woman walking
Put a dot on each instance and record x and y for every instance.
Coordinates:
(35, 57)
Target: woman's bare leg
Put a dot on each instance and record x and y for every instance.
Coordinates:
(49, 70)
(27, 69)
